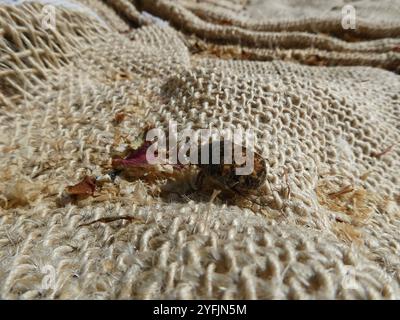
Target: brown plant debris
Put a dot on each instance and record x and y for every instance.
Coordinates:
(353, 201)
(119, 117)
(382, 153)
(352, 206)
(20, 193)
(347, 232)
(86, 187)
(346, 189)
(111, 219)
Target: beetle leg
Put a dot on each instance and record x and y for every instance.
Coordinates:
(199, 181)
(214, 195)
(251, 200)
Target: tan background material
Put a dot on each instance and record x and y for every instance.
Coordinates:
(325, 105)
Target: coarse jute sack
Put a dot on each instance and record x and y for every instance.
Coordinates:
(324, 104)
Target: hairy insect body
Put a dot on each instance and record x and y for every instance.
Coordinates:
(226, 173)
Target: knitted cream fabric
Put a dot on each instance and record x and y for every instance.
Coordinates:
(326, 112)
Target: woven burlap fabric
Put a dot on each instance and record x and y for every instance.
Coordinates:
(326, 115)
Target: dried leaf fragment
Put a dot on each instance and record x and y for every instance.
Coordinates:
(119, 117)
(135, 158)
(85, 187)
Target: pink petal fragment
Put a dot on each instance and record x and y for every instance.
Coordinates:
(137, 157)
